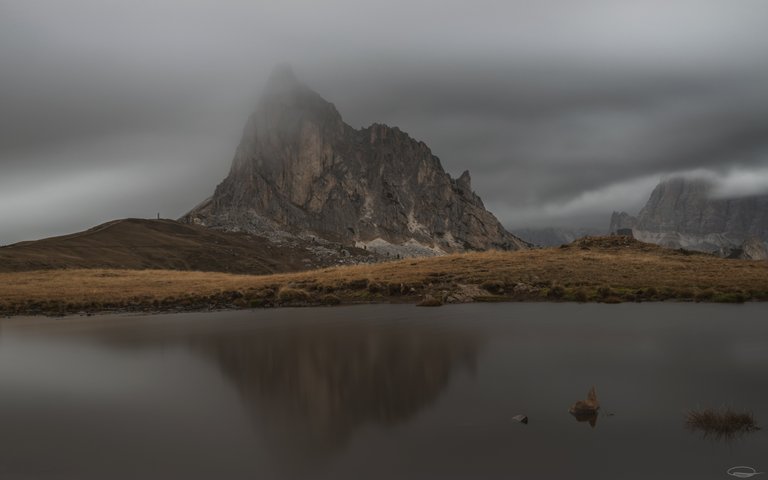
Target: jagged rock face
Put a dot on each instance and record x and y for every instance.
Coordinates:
(686, 206)
(754, 249)
(300, 168)
(622, 220)
(681, 213)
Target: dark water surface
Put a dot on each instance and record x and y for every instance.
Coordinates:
(381, 392)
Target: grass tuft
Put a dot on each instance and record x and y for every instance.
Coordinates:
(729, 297)
(580, 295)
(330, 299)
(290, 295)
(430, 301)
(556, 292)
(723, 423)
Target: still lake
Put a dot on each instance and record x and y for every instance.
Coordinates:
(382, 392)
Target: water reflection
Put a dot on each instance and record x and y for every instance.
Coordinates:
(312, 387)
(310, 384)
(380, 392)
(590, 417)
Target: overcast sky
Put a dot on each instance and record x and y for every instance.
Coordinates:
(562, 110)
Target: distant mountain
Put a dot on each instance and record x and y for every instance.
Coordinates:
(682, 213)
(555, 236)
(166, 244)
(300, 170)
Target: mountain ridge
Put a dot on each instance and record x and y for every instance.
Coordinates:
(300, 170)
(683, 213)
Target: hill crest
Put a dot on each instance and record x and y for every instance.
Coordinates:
(135, 243)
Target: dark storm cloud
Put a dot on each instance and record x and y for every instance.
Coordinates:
(574, 130)
(562, 112)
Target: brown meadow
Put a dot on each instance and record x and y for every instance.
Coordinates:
(603, 269)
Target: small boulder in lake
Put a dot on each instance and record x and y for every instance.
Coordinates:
(589, 406)
(521, 419)
(586, 410)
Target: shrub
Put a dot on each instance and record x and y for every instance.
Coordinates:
(330, 300)
(650, 292)
(758, 294)
(729, 298)
(722, 423)
(612, 299)
(604, 292)
(685, 293)
(429, 301)
(629, 297)
(667, 292)
(705, 295)
(411, 288)
(493, 286)
(288, 294)
(556, 292)
(490, 299)
(240, 302)
(259, 303)
(356, 284)
(580, 295)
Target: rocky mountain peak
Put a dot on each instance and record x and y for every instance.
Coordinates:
(284, 92)
(282, 76)
(299, 168)
(621, 220)
(682, 213)
(465, 180)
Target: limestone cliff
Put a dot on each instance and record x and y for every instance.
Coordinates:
(300, 170)
(683, 213)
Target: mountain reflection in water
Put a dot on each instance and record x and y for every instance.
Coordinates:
(314, 386)
(310, 384)
(381, 392)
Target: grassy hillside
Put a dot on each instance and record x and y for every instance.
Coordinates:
(606, 269)
(168, 245)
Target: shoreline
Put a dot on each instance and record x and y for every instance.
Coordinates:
(290, 297)
(182, 309)
(599, 269)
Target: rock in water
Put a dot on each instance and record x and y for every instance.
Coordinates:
(589, 406)
(586, 410)
(300, 170)
(521, 418)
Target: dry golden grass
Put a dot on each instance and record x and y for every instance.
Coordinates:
(603, 269)
(723, 423)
